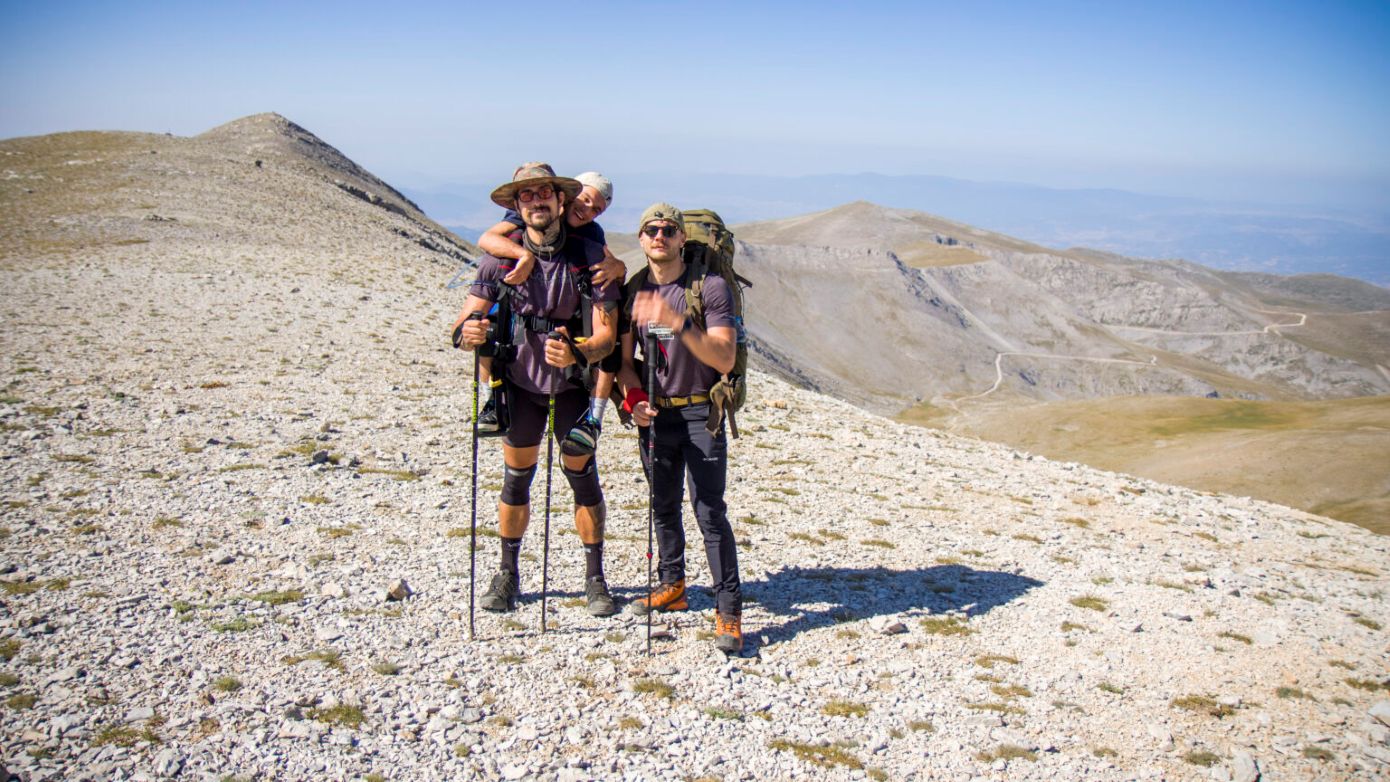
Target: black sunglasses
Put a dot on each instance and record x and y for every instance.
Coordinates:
(654, 231)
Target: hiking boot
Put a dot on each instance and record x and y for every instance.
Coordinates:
(501, 595)
(667, 597)
(728, 633)
(600, 601)
(487, 419)
(582, 439)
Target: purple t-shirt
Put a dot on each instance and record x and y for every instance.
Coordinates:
(590, 230)
(686, 375)
(549, 292)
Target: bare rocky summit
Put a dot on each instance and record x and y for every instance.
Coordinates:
(234, 541)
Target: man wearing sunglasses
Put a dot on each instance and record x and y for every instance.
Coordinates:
(542, 369)
(674, 440)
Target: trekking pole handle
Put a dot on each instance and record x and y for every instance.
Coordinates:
(579, 358)
(458, 331)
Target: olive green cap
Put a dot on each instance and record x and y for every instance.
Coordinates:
(661, 211)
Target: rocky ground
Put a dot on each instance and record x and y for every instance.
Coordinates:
(218, 456)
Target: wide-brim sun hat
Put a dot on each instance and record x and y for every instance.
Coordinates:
(531, 175)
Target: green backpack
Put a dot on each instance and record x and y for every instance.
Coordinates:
(709, 249)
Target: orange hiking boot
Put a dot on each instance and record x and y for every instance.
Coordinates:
(667, 597)
(728, 633)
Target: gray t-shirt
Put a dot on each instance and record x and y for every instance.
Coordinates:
(551, 291)
(686, 375)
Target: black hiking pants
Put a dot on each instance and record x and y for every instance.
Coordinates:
(686, 453)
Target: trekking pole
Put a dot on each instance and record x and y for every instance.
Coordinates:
(649, 354)
(473, 498)
(549, 461)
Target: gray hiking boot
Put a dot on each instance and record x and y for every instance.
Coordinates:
(501, 595)
(582, 439)
(487, 417)
(600, 601)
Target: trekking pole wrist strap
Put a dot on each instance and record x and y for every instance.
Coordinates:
(633, 398)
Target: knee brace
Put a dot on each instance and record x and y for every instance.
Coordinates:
(516, 485)
(585, 484)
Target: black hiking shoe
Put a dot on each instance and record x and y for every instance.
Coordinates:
(487, 419)
(600, 601)
(501, 595)
(582, 439)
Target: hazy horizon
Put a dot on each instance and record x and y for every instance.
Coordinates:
(1276, 102)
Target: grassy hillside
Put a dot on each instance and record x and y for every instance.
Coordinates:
(1328, 457)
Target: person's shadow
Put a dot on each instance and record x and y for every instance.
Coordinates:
(807, 598)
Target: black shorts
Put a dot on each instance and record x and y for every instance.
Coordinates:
(530, 410)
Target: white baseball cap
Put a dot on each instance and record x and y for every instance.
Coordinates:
(598, 182)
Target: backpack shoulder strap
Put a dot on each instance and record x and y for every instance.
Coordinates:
(697, 266)
(632, 287)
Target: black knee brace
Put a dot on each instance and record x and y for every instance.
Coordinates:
(516, 485)
(587, 492)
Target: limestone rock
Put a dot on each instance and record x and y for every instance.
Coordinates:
(398, 590)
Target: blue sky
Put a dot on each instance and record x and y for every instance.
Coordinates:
(1266, 101)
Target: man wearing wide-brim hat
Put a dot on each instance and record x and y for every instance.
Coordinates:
(532, 175)
(548, 300)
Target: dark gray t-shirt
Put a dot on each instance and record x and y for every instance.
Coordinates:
(550, 291)
(686, 375)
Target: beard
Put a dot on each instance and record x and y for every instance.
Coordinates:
(541, 218)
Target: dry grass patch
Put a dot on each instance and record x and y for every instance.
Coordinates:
(653, 687)
(946, 625)
(840, 708)
(989, 660)
(400, 475)
(1203, 758)
(331, 658)
(342, 714)
(1369, 685)
(995, 706)
(825, 756)
(1006, 752)
(226, 684)
(279, 598)
(123, 736)
(1090, 602)
(1011, 691)
(1319, 753)
(1202, 704)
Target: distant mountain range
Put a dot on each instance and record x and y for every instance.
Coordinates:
(889, 307)
(1282, 239)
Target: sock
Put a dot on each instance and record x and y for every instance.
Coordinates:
(593, 560)
(484, 394)
(511, 549)
(597, 406)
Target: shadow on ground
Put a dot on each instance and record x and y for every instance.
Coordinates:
(802, 599)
